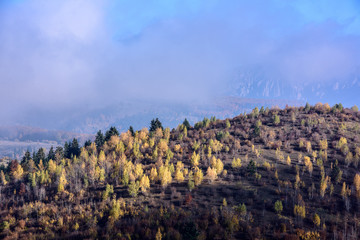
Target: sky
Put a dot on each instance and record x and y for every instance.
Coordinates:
(75, 54)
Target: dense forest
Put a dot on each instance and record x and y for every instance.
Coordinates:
(274, 173)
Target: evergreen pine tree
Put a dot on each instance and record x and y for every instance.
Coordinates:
(131, 129)
(26, 157)
(87, 143)
(99, 139)
(155, 124)
(51, 154)
(67, 150)
(111, 132)
(186, 123)
(40, 155)
(74, 148)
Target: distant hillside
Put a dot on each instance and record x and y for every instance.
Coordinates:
(34, 134)
(139, 113)
(15, 140)
(19, 138)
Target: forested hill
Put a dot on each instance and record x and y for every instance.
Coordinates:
(271, 174)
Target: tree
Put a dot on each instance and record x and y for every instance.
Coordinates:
(278, 207)
(211, 174)
(166, 177)
(62, 181)
(111, 132)
(144, 183)
(288, 160)
(324, 185)
(134, 188)
(18, 173)
(236, 163)
(26, 158)
(198, 176)
(153, 174)
(255, 111)
(191, 184)
(186, 124)
(336, 173)
(217, 164)
(158, 235)
(3, 178)
(108, 191)
(308, 164)
(299, 211)
(155, 124)
(316, 220)
(74, 148)
(99, 139)
(179, 176)
(87, 143)
(276, 119)
(308, 146)
(258, 124)
(40, 155)
(251, 168)
(59, 153)
(51, 154)
(116, 209)
(195, 158)
(131, 130)
(357, 185)
(345, 191)
(227, 123)
(323, 144)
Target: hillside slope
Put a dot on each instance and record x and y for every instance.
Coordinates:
(274, 174)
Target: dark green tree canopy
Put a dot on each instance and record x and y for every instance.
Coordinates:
(111, 132)
(87, 143)
(99, 139)
(51, 154)
(186, 123)
(131, 129)
(26, 157)
(40, 155)
(155, 124)
(59, 153)
(72, 149)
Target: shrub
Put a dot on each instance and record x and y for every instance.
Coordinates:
(108, 191)
(133, 188)
(251, 168)
(299, 211)
(276, 119)
(278, 207)
(198, 176)
(211, 174)
(144, 183)
(5, 226)
(236, 163)
(316, 220)
(217, 164)
(195, 158)
(357, 185)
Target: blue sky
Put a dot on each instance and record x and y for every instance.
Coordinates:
(67, 53)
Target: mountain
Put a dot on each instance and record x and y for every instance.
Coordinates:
(256, 83)
(139, 113)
